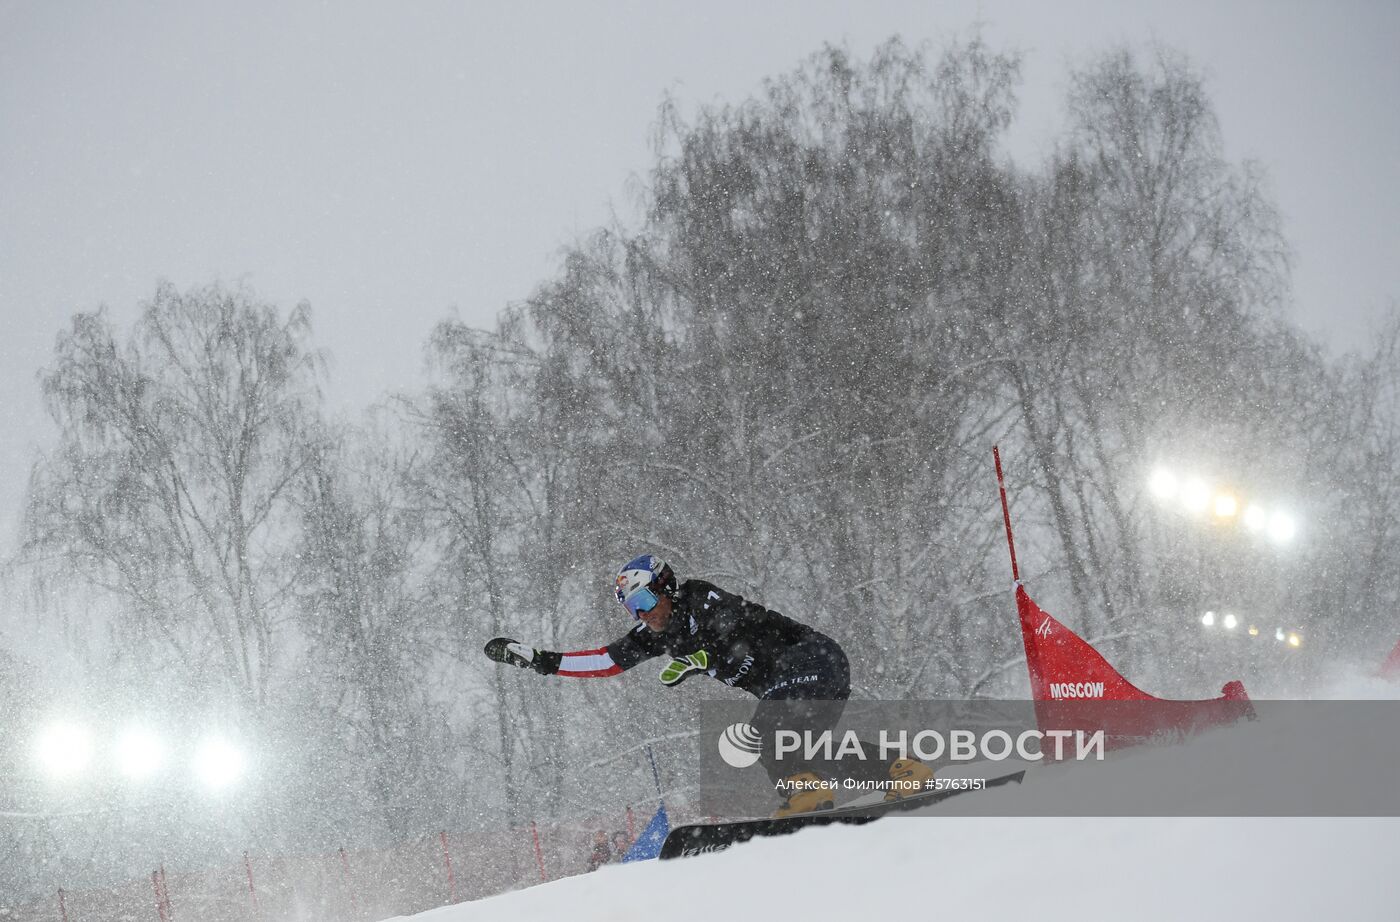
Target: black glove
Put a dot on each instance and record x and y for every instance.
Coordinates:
(515, 653)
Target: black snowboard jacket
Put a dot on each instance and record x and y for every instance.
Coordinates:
(746, 642)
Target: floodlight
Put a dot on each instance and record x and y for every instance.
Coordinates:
(140, 753)
(218, 763)
(1253, 631)
(1230, 621)
(64, 750)
(1255, 518)
(1208, 619)
(1294, 640)
(1282, 527)
(1278, 635)
(1226, 506)
(1195, 496)
(1163, 484)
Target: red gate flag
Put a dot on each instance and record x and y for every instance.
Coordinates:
(1074, 687)
(1068, 675)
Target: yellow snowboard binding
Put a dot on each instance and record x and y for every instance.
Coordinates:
(909, 778)
(805, 792)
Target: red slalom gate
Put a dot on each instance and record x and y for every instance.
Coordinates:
(1069, 678)
(165, 894)
(160, 897)
(1075, 688)
(451, 875)
(252, 888)
(348, 883)
(539, 852)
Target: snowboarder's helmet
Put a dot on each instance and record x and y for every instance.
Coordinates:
(642, 581)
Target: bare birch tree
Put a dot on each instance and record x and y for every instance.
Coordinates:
(177, 455)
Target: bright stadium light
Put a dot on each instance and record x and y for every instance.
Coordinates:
(1282, 527)
(1226, 506)
(140, 754)
(1163, 484)
(218, 763)
(1278, 635)
(1195, 496)
(64, 750)
(1230, 621)
(1253, 631)
(1208, 619)
(1255, 518)
(1294, 640)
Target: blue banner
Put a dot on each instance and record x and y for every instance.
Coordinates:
(648, 844)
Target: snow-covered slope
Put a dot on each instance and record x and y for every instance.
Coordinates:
(950, 867)
(981, 869)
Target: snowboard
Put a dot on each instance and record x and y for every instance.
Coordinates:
(703, 838)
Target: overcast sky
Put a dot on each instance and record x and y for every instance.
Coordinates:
(395, 162)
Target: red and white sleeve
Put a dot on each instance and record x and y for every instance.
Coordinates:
(588, 664)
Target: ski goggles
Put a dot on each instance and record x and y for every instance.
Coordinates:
(639, 600)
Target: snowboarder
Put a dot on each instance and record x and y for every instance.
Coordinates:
(705, 629)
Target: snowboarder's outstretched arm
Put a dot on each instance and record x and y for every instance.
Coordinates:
(622, 654)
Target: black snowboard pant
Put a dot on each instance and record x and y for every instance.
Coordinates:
(807, 694)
